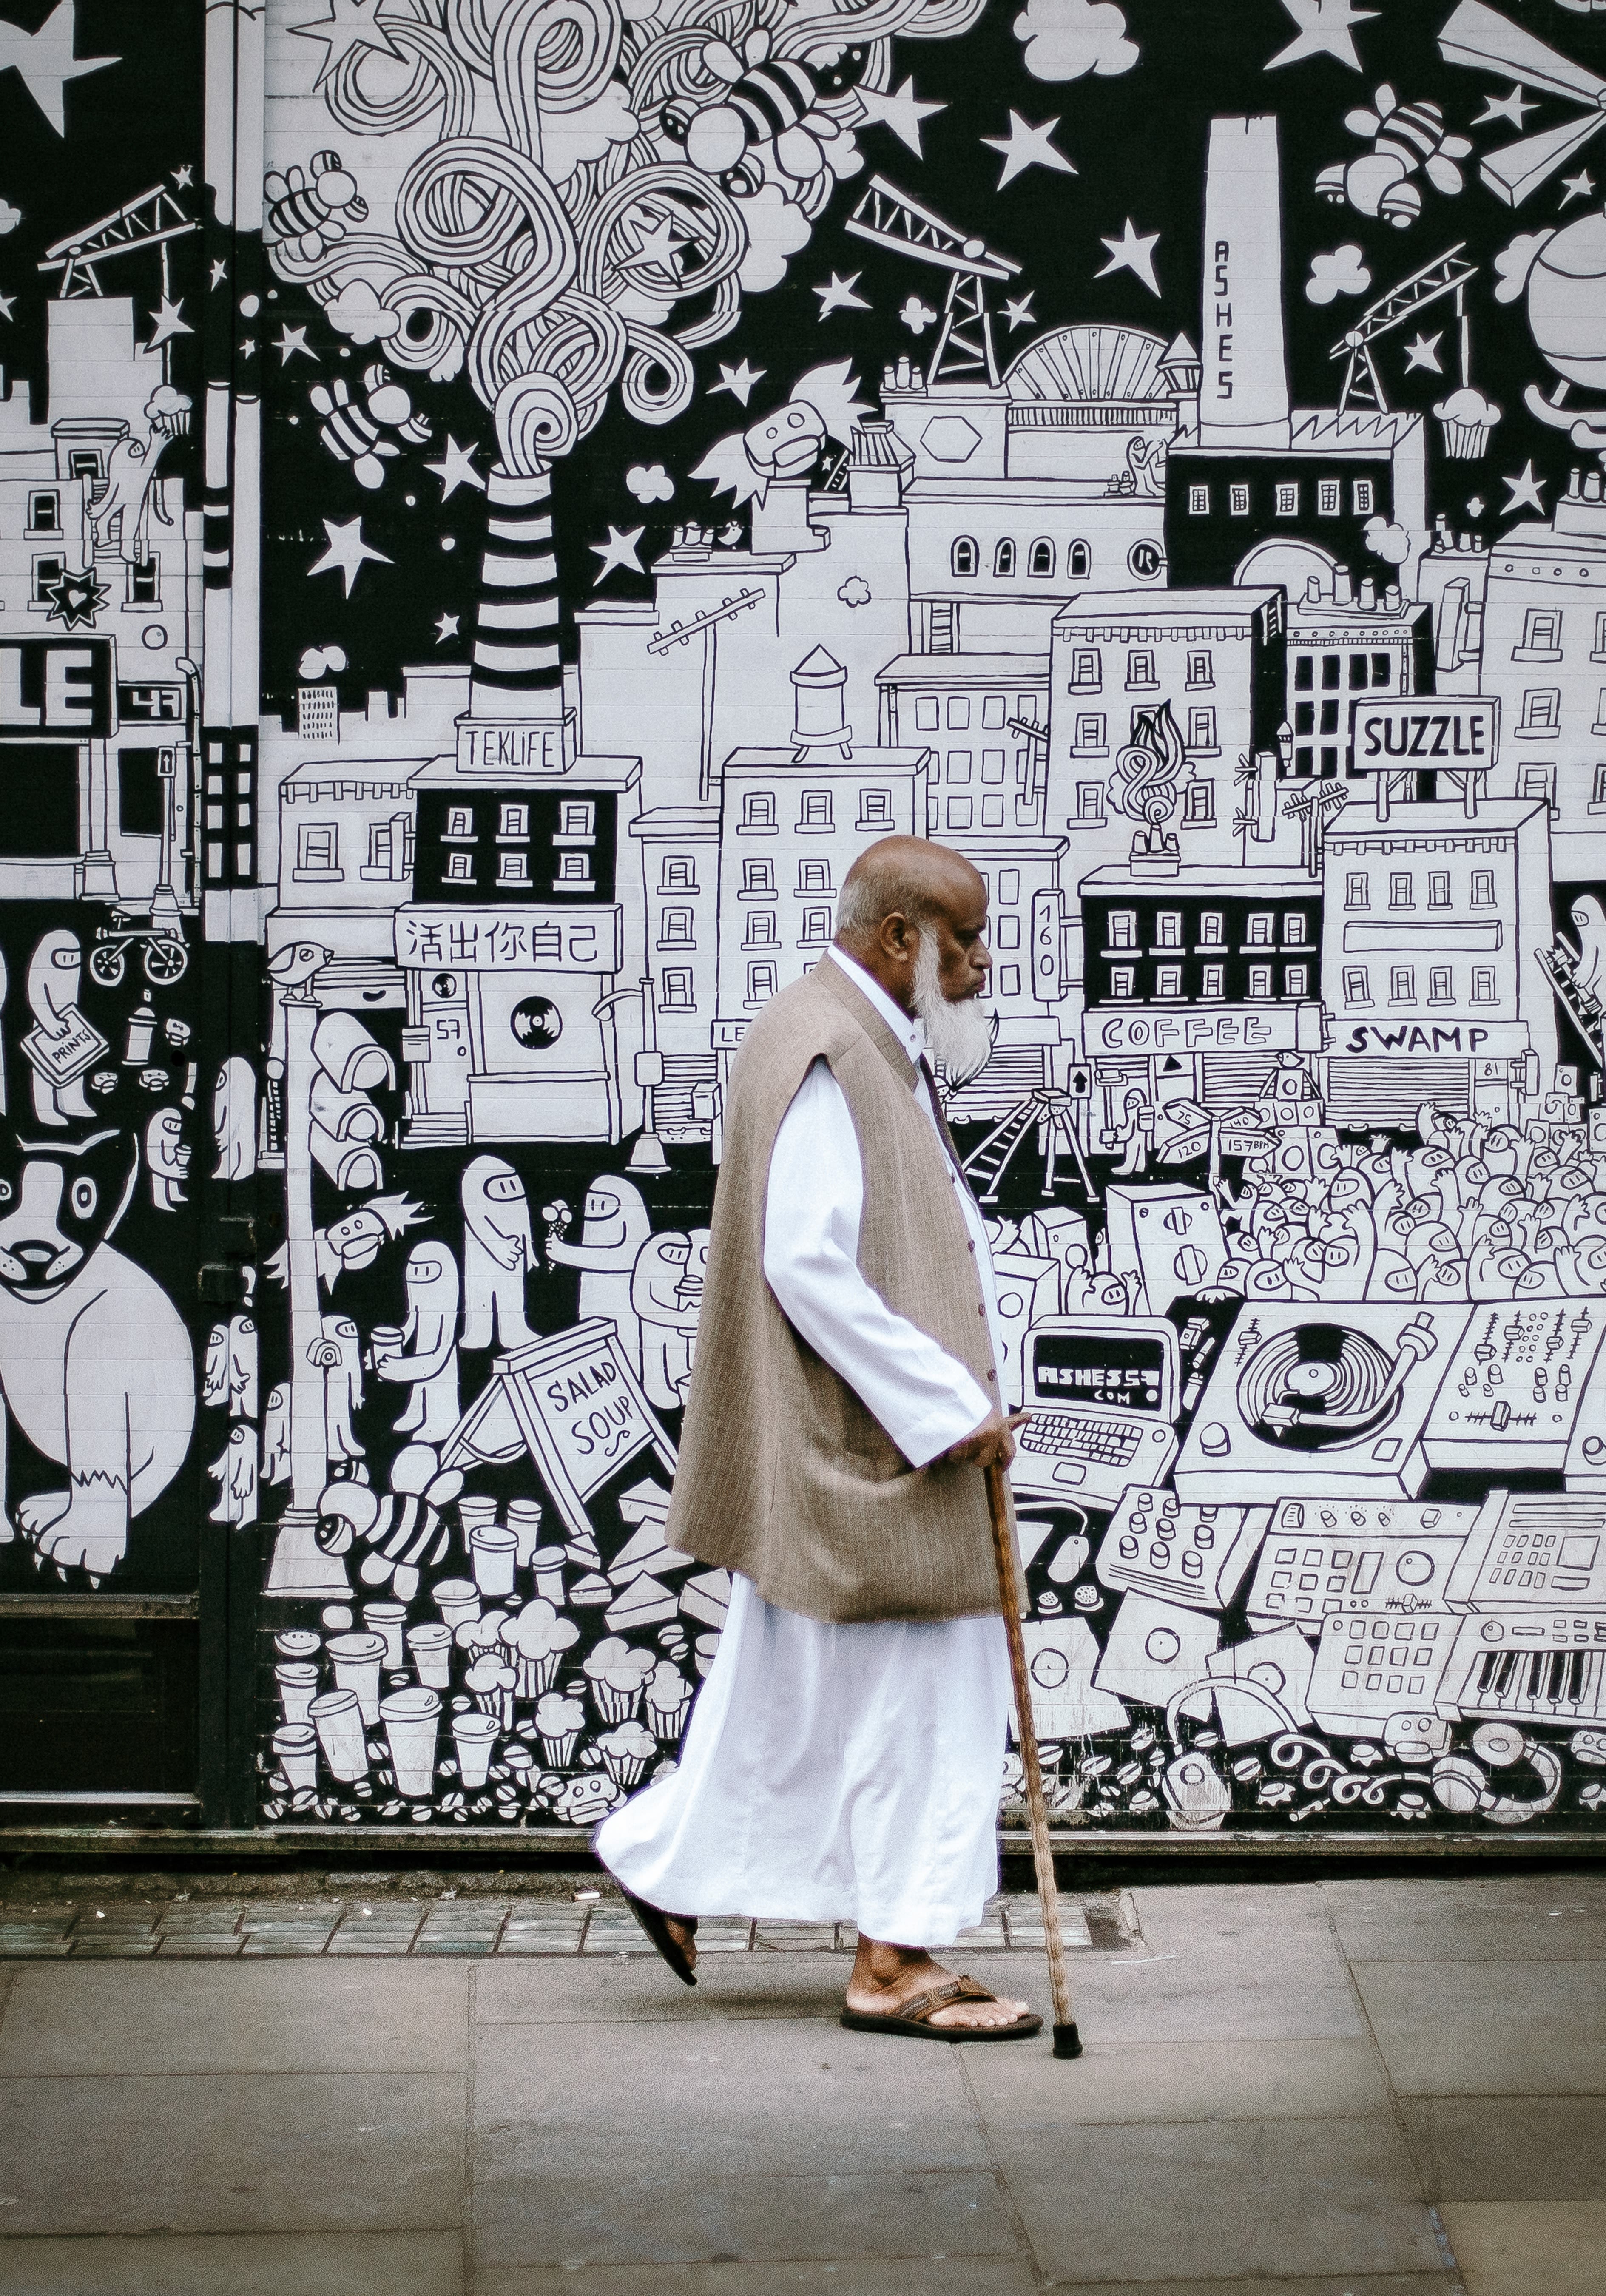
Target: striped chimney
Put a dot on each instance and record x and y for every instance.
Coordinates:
(518, 660)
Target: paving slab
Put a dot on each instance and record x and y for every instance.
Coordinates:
(1215, 2198)
(1506, 1918)
(1022, 2088)
(624, 1988)
(244, 2264)
(1510, 2148)
(731, 2099)
(925, 2275)
(246, 2017)
(1515, 2248)
(1488, 2028)
(232, 2153)
(671, 2219)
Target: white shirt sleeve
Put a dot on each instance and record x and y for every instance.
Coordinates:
(922, 1396)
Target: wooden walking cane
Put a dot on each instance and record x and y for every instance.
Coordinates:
(1068, 2041)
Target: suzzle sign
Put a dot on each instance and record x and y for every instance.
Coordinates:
(1452, 734)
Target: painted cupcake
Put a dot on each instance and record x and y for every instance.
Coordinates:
(626, 1751)
(617, 1675)
(667, 1696)
(559, 1722)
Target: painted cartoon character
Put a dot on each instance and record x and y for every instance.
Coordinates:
(431, 1369)
(765, 120)
(167, 1159)
(310, 211)
(616, 1226)
(353, 432)
(1404, 137)
(95, 1364)
(54, 971)
(498, 1252)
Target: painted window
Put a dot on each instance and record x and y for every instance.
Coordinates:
(1004, 559)
(963, 557)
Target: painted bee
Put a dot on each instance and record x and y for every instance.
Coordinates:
(768, 113)
(354, 434)
(1404, 137)
(312, 212)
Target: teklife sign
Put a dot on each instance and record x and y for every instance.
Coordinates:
(59, 687)
(510, 939)
(1456, 735)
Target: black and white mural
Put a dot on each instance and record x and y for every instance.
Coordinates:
(485, 552)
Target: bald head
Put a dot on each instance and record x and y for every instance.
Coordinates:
(904, 876)
(904, 891)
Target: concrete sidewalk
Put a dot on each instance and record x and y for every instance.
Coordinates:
(1390, 2089)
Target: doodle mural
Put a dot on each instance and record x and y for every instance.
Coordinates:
(491, 528)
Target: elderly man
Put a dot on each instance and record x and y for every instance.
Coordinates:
(844, 1758)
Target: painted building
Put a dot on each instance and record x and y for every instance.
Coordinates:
(677, 1066)
(1432, 922)
(100, 574)
(1216, 662)
(523, 939)
(1543, 657)
(1346, 641)
(1195, 979)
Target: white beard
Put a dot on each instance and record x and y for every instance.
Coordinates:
(959, 1035)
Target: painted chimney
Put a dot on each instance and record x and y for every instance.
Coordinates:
(1243, 385)
(517, 665)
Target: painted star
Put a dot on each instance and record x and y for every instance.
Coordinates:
(1423, 352)
(1525, 492)
(184, 176)
(1132, 251)
(902, 111)
(8, 304)
(1324, 30)
(1512, 107)
(44, 63)
(840, 296)
(1577, 187)
(739, 380)
(348, 24)
(659, 246)
(347, 551)
(618, 551)
(1020, 314)
(291, 340)
(248, 348)
(75, 599)
(1026, 146)
(168, 321)
(456, 470)
(446, 627)
(220, 271)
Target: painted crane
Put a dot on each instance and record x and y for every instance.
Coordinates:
(964, 348)
(1362, 387)
(155, 219)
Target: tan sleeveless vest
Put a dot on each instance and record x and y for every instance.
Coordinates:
(783, 1474)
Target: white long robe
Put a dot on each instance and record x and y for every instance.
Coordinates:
(839, 1773)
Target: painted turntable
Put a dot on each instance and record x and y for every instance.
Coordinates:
(1306, 1404)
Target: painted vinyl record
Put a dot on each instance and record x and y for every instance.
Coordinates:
(1317, 1387)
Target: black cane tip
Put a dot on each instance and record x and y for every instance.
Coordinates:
(1068, 2041)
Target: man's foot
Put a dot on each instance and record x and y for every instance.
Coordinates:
(685, 1934)
(885, 1976)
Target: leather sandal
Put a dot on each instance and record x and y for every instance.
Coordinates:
(912, 2020)
(655, 1922)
